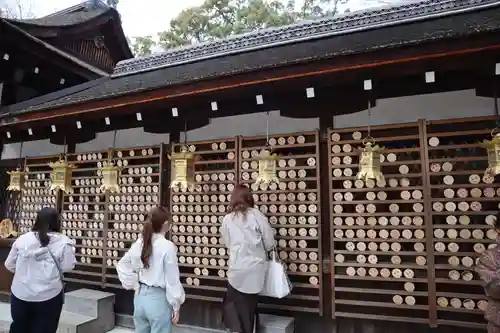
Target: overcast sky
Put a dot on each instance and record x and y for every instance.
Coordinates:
(140, 17)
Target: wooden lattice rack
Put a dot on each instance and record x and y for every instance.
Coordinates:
(293, 209)
(378, 228)
(197, 214)
(83, 217)
(140, 190)
(402, 249)
(464, 208)
(104, 225)
(36, 193)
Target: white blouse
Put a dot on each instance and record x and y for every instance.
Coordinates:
(163, 271)
(36, 274)
(247, 238)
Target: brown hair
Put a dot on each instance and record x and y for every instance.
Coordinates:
(241, 200)
(156, 219)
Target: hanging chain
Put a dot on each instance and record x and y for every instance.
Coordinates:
(495, 104)
(369, 118)
(111, 158)
(64, 149)
(114, 139)
(267, 128)
(20, 155)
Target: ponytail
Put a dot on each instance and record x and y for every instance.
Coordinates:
(154, 224)
(43, 237)
(147, 243)
(47, 220)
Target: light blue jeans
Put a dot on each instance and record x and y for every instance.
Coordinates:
(152, 312)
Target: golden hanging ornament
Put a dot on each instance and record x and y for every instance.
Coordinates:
(369, 161)
(7, 229)
(60, 177)
(267, 167)
(183, 168)
(17, 178)
(493, 149)
(110, 175)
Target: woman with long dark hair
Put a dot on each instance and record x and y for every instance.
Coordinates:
(150, 269)
(247, 234)
(38, 260)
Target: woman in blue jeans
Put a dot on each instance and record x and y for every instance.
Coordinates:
(150, 269)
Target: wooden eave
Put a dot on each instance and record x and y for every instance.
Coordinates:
(108, 23)
(49, 52)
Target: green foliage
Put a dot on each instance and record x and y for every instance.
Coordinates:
(216, 19)
(142, 46)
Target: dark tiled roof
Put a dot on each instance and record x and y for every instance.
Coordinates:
(340, 24)
(67, 19)
(390, 27)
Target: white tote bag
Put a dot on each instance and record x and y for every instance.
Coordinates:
(277, 284)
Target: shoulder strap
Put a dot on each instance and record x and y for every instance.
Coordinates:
(61, 276)
(57, 265)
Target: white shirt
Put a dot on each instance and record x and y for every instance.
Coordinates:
(36, 277)
(163, 271)
(246, 236)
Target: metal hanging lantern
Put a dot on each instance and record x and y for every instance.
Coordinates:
(267, 162)
(110, 176)
(16, 182)
(369, 161)
(493, 148)
(369, 155)
(110, 172)
(7, 229)
(17, 177)
(60, 177)
(182, 168)
(267, 167)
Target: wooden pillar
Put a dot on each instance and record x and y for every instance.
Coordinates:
(325, 122)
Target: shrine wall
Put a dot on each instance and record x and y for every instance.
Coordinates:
(392, 110)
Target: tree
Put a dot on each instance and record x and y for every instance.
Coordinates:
(142, 46)
(216, 19)
(15, 10)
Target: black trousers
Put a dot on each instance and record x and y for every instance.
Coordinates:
(240, 311)
(35, 317)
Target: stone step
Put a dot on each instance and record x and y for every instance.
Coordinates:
(276, 324)
(93, 303)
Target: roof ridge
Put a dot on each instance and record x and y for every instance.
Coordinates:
(82, 5)
(301, 31)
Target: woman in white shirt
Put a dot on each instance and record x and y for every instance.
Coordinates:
(38, 260)
(247, 234)
(150, 268)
